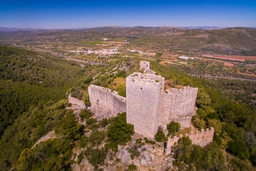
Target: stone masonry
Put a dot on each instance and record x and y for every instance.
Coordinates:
(144, 93)
(144, 65)
(105, 103)
(201, 138)
(178, 105)
(148, 106)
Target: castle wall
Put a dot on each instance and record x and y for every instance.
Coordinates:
(170, 143)
(76, 103)
(201, 138)
(148, 106)
(185, 122)
(178, 105)
(144, 65)
(119, 104)
(143, 93)
(105, 103)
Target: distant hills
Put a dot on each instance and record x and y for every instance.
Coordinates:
(10, 29)
(204, 27)
(7, 29)
(185, 40)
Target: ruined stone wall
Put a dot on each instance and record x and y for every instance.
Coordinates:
(105, 103)
(144, 65)
(76, 103)
(171, 142)
(119, 104)
(143, 93)
(178, 105)
(201, 138)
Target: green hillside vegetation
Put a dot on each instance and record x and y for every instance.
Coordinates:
(243, 89)
(31, 78)
(119, 132)
(198, 158)
(234, 122)
(55, 154)
(33, 93)
(226, 41)
(36, 68)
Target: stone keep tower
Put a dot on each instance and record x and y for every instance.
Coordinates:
(143, 98)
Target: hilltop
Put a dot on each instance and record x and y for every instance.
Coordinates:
(42, 69)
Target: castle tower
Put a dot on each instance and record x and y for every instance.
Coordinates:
(143, 94)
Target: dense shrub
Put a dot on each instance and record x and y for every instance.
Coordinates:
(85, 114)
(104, 122)
(83, 141)
(193, 157)
(96, 156)
(96, 137)
(239, 149)
(173, 127)
(119, 132)
(160, 136)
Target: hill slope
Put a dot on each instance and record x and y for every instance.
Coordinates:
(31, 78)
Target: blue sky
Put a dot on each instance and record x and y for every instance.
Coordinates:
(96, 13)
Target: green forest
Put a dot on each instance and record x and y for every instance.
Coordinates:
(31, 78)
(33, 98)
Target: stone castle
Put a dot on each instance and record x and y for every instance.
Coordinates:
(149, 106)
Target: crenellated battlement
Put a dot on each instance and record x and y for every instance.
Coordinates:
(178, 90)
(147, 78)
(201, 138)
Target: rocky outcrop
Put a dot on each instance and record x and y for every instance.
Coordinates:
(146, 156)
